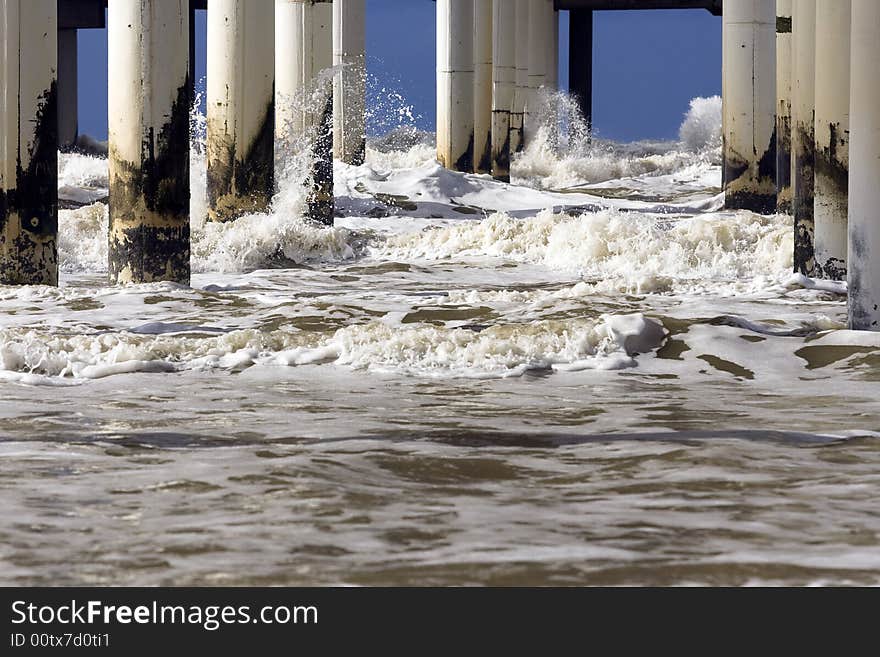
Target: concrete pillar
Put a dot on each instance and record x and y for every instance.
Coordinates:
(580, 61)
(149, 103)
(863, 265)
(68, 97)
(350, 83)
(28, 142)
(304, 95)
(832, 137)
(783, 105)
(553, 50)
(803, 133)
(521, 91)
(503, 84)
(241, 107)
(750, 105)
(455, 84)
(539, 36)
(483, 85)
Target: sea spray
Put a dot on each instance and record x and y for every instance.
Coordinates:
(564, 153)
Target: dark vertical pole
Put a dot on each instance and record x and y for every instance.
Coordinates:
(192, 47)
(67, 88)
(580, 60)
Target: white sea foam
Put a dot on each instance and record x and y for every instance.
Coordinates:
(630, 251)
(612, 342)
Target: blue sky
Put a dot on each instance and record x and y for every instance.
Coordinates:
(647, 66)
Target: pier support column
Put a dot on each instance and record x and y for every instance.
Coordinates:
(241, 107)
(149, 103)
(503, 85)
(832, 136)
(539, 36)
(304, 96)
(803, 146)
(521, 77)
(863, 264)
(350, 83)
(750, 105)
(28, 142)
(455, 84)
(783, 105)
(68, 98)
(580, 61)
(483, 85)
(553, 50)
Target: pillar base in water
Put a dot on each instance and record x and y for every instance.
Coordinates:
(241, 107)
(321, 201)
(28, 143)
(238, 187)
(745, 191)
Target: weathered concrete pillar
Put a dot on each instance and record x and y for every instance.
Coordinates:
(803, 133)
(304, 95)
(241, 107)
(483, 85)
(28, 142)
(521, 78)
(539, 36)
(832, 136)
(750, 105)
(580, 61)
(149, 104)
(350, 83)
(863, 264)
(503, 84)
(68, 97)
(455, 84)
(783, 105)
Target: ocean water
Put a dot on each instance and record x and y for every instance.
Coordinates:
(593, 375)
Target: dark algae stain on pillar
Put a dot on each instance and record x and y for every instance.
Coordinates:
(321, 204)
(750, 186)
(240, 186)
(501, 155)
(834, 177)
(29, 210)
(783, 162)
(485, 160)
(149, 237)
(805, 158)
(466, 161)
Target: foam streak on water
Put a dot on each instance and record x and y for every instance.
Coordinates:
(594, 375)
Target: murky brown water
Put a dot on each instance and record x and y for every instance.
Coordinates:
(628, 396)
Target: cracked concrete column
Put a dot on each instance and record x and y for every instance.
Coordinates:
(750, 105)
(241, 107)
(28, 142)
(149, 104)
